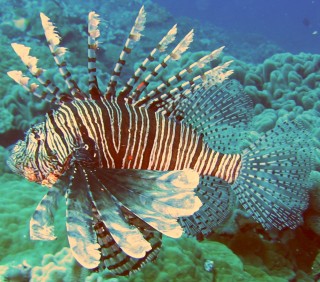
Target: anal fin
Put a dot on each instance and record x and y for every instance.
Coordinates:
(218, 201)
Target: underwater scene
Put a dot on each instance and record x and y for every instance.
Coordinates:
(160, 140)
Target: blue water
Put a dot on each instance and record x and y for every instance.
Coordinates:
(294, 25)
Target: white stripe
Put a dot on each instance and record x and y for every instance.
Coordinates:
(145, 116)
(208, 163)
(129, 137)
(221, 168)
(214, 163)
(201, 160)
(160, 142)
(182, 145)
(133, 131)
(231, 164)
(100, 125)
(170, 147)
(117, 127)
(87, 121)
(233, 168)
(193, 146)
(155, 144)
(104, 143)
(165, 154)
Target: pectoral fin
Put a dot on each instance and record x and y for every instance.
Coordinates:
(41, 222)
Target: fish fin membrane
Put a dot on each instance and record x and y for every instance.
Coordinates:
(218, 200)
(157, 198)
(81, 235)
(126, 243)
(114, 258)
(41, 222)
(273, 181)
(221, 113)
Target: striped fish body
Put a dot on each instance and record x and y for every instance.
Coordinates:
(128, 137)
(135, 162)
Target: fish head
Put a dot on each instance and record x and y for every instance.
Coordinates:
(32, 159)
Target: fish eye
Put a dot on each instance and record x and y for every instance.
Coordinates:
(86, 146)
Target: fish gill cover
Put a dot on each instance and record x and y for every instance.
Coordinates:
(209, 115)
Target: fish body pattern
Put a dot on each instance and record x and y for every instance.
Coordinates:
(135, 162)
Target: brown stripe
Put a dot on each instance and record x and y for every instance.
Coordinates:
(198, 151)
(150, 141)
(220, 156)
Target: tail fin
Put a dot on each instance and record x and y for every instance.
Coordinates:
(273, 181)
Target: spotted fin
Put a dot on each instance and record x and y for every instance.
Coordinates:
(273, 181)
(218, 201)
(220, 112)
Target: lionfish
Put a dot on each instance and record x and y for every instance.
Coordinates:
(135, 161)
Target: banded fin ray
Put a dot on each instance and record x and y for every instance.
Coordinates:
(161, 47)
(81, 235)
(134, 36)
(218, 201)
(273, 181)
(58, 52)
(112, 256)
(127, 237)
(168, 102)
(157, 198)
(24, 81)
(53, 93)
(93, 45)
(163, 91)
(175, 54)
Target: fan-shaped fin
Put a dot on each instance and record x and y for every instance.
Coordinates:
(273, 180)
(158, 198)
(218, 201)
(81, 235)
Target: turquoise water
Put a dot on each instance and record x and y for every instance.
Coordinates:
(294, 25)
(275, 47)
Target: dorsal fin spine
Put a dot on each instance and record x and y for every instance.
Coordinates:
(31, 63)
(162, 88)
(58, 52)
(134, 36)
(182, 46)
(161, 47)
(93, 44)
